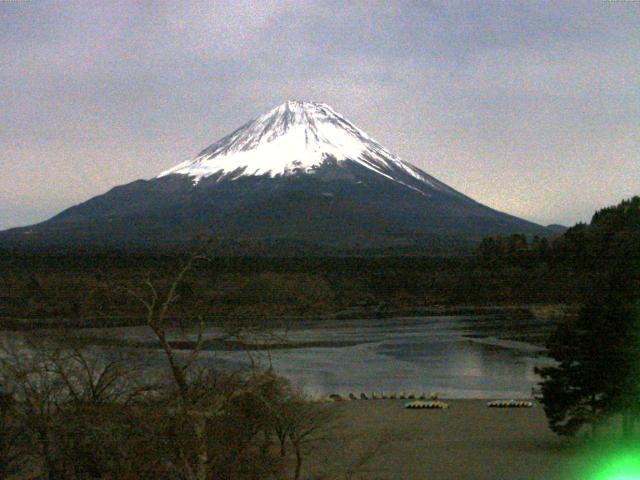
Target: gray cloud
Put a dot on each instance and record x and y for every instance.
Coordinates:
(531, 108)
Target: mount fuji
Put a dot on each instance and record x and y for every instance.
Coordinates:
(300, 176)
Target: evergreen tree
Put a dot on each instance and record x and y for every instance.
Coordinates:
(598, 352)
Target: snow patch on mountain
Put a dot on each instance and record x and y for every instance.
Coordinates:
(295, 137)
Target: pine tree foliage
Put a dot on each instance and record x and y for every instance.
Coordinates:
(598, 351)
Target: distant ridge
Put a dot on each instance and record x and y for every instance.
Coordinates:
(557, 229)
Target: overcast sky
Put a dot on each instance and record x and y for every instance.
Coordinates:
(532, 108)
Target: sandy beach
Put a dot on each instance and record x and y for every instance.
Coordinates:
(465, 441)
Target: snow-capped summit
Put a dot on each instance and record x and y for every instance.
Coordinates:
(296, 137)
(300, 176)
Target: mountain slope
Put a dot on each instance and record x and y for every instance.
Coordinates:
(300, 173)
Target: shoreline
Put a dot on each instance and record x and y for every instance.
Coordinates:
(546, 311)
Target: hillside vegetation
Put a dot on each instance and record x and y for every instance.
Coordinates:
(94, 287)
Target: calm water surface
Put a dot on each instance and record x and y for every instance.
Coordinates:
(455, 356)
(458, 357)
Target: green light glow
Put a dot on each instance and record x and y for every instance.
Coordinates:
(620, 466)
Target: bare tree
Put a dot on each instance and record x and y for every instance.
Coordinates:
(27, 372)
(158, 307)
(63, 392)
(11, 435)
(291, 417)
(308, 422)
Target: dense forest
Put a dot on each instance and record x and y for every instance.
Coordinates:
(98, 287)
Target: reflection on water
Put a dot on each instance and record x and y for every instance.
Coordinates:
(455, 356)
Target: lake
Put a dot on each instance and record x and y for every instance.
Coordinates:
(469, 356)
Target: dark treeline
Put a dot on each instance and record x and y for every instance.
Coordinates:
(597, 350)
(95, 287)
